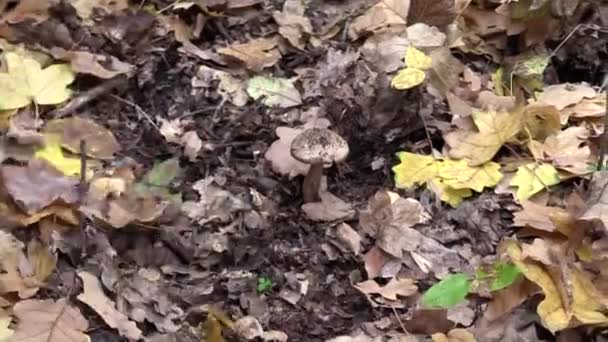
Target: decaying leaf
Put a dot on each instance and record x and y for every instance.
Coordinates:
(100, 142)
(94, 297)
(596, 204)
(537, 216)
(256, 54)
(276, 92)
(566, 94)
(392, 290)
(293, 25)
(85, 8)
(215, 203)
(27, 82)
(431, 12)
(566, 150)
(386, 13)
(330, 208)
(84, 62)
(49, 321)
(38, 185)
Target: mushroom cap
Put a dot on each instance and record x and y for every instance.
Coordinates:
(319, 145)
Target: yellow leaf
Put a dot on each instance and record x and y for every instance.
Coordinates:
(459, 175)
(5, 332)
(408, 78)
(53, 154)
(448, 194)
(417, 59)
(586, 306)
(495, 129)
(532, 178)
(414, 169)
(27, 82)
(551, 309)
(451, 180)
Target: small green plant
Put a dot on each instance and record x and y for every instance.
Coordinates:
(453, 289)
(264, 284)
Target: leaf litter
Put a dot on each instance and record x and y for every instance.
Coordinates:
(150, 175)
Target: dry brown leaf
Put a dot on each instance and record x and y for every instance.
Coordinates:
(540, 121)
(392, 290)
(508, 299)
(49, 321)
(84, 8)
(100, 142)
(331, 208)
(385, 50)
(183, 34)
(587, 108)
(84, 62)
(598, 199)
(537, 216)
(566, 94)
(565, 150)
(94, 297)
(293, 25)
(38, 10)
(384, 14)
(38, 185)
(485, 22)
(348, 237)
(256, 54)
(431, 12)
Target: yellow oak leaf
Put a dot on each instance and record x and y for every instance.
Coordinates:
(532, 178)
(53, 154)
(417, 59)
(494, 129)
(459, 175)
(27, 82)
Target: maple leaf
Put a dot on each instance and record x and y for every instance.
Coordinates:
(459, 175)
(27, 82)
(532, 178)
(495, 129)
(451, 180)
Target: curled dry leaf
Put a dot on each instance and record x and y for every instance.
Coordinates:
(537, 216)
(256, 54)
(94, 297)
(38, 185)
(331, 208)
(392, 290)
(84, 62)
(100, 142)
(293, 25)
(566, 94)
(384, 14)
(49, 321)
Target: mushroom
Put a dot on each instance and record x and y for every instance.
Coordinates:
(318, 147)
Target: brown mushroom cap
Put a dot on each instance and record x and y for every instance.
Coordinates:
(319, 145)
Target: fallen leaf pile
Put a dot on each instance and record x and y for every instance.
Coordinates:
(149, 191)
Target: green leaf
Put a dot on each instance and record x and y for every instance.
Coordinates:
(264, 284)
(157, 181)
(448, 292)
(506, 274)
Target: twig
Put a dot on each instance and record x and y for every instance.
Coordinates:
(88, 96)
(138, 109)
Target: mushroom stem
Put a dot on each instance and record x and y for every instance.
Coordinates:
(312, 183)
